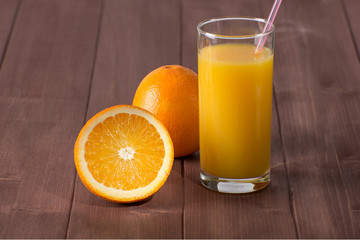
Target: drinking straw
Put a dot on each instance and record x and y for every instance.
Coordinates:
(268, 25)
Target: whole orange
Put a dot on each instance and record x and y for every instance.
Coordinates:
(171, 94)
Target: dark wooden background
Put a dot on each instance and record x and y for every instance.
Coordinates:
(62, 61)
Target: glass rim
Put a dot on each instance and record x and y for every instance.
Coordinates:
(219, 19)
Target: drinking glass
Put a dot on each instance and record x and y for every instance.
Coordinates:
(235, 97)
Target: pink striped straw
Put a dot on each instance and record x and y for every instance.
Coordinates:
(268, 25)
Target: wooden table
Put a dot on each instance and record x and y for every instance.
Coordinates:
(64, 61)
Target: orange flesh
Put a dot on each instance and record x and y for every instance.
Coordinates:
(121, 132)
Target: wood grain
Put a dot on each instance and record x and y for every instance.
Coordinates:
(8, 183)
(352, 9)
(8, 12)
(208, 214)
(44, 83)
(136, 37)
(317, 89)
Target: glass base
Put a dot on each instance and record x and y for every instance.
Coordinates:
(228, 185)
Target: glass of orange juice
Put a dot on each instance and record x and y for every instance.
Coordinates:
(235, 97)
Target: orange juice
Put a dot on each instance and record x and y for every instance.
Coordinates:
(235, 95)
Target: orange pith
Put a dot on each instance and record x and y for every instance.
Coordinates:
(102, 152)
(123, 154)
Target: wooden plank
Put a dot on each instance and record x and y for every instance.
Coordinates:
(352, 9)
(8, 189)
(8, 184)
(208, 214)
(136, 37)
(8, 10)
(318, 91)
(44, 84)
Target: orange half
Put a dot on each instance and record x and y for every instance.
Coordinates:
(123, 154)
